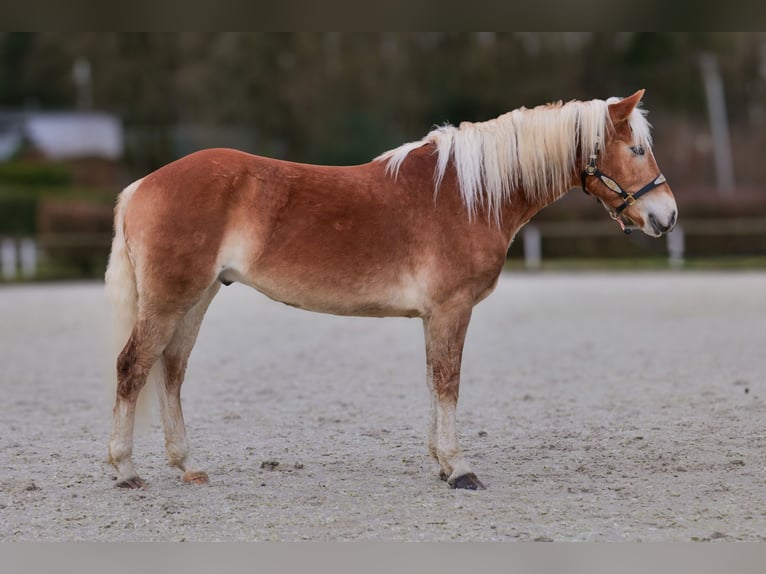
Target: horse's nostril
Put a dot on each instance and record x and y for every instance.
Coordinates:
(660, 227)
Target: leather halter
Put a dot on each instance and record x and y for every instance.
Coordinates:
(627, 198)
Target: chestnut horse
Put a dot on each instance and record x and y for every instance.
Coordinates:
(421, 231)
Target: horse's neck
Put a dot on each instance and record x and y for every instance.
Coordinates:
(513, 214)
(520, 209)
(516, 213)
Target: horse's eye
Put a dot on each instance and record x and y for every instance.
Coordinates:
(638, 149)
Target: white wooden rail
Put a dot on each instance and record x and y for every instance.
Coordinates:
(19, 257)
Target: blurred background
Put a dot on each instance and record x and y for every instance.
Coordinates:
(82, 115)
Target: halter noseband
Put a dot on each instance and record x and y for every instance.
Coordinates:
(627, 198)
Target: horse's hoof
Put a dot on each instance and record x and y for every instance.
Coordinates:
(467, 482)
(443, 475)
(133, 482)
(195, 477)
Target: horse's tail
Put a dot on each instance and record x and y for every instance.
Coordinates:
(120, 276)
(121, 288)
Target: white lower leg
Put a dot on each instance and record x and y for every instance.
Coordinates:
(176, 442)
(121, 440)
(432, 440)
(179, 454)
(448, 453)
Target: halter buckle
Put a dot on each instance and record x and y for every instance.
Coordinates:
(591, 168)
(629, 199)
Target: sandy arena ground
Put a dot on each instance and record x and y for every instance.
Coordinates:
(595, 407)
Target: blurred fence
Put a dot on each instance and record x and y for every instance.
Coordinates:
(18, 258)
(53, 256)
(675, 242)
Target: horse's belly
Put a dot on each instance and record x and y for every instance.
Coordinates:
(403, 297)
(343, 268)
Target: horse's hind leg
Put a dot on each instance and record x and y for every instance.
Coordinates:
(175, 358)
(149, 337)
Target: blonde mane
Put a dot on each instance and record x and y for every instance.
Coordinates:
(529, 149)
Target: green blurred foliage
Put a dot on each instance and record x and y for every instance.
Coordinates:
(18, 215)
(34, 174)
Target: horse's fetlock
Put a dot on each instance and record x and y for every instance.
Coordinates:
(176, 456)
(117, 454)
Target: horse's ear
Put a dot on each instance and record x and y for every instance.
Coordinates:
(620, 111)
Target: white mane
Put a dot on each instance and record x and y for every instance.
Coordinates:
(530, 149)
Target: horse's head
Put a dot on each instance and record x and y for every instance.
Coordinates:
(623, 174)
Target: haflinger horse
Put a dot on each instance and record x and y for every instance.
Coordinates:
(421, 231)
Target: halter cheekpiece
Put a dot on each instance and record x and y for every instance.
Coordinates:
(627, 198)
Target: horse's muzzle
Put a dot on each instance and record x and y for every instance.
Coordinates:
(662, 227)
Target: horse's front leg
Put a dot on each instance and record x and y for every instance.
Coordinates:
(445, 330)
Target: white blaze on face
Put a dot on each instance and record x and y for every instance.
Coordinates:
(657, 208)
